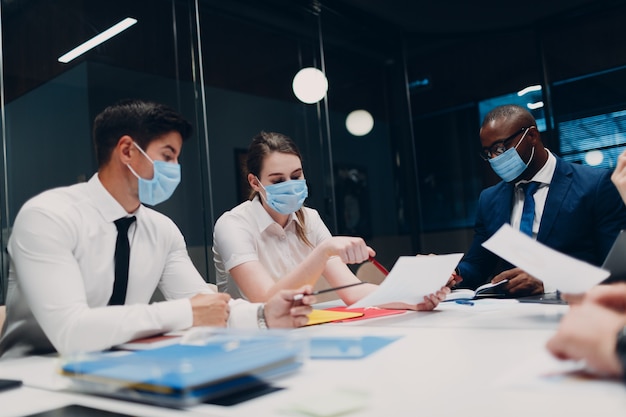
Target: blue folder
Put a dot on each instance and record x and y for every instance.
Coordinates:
(183, 375)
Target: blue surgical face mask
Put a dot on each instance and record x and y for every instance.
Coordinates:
(163, 183)
(285, 197)
(510, 165)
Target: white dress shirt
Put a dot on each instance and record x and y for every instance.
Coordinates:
(62, 271)
(248, 233)
(544, 178)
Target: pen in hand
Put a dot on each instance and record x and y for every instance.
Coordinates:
(378, 265)
(299, 297)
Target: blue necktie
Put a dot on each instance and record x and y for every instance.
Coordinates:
(528, 212)
(122, 257)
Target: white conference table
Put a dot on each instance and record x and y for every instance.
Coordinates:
(483, 360)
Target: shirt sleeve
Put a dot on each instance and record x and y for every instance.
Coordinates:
(316, 228)
(181, 279)
(233, 241)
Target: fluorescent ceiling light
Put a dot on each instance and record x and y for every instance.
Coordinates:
(529, 90)
(534, 106)
(97, 40)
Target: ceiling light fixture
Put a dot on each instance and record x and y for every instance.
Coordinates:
(359, 122)
(535, 106)
(97, 40)
(310, 85)
(594, 157)
(529, 89)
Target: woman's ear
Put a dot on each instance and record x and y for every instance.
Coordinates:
(254, 182)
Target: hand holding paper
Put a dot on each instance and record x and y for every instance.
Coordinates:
(567, 274)
(411, 279)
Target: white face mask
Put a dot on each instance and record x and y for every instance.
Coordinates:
(163, 183)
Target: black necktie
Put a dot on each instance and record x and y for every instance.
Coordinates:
(528, 212)
(122, 255)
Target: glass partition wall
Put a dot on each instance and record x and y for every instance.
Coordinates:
(48, 106)
(228, 67)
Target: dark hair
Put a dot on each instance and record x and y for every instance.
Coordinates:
(263, 145)
(144, 121)
(508, 111)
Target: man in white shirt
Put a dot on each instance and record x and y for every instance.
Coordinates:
(61, 282)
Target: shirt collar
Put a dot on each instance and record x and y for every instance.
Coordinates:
(264, 220)
(545, 174)
(105, 203)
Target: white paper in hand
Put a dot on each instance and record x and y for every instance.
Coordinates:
(412, 278)
(567, 274)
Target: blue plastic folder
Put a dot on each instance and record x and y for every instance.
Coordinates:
(183, 375)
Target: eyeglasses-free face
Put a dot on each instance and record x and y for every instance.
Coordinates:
(499, 147)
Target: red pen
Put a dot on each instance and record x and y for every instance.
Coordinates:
(378, 265)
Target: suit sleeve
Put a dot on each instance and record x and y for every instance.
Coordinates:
(478, 263)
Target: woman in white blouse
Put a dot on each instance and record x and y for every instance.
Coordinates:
(273, 242)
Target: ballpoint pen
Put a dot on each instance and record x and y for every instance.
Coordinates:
(378, 265)
(299, 297)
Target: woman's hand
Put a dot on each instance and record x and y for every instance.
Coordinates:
(351, 250)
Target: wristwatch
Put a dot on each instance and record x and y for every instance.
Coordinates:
(260, 317)
(620, 349)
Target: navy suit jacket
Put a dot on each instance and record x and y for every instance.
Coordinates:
(582, 216)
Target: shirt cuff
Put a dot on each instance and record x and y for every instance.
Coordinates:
(243, 315)
(175, 314)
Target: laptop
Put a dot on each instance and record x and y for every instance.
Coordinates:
(615, 261)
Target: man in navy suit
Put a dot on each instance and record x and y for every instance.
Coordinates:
(577, 210)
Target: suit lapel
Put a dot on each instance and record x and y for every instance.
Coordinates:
(559, 187)
(503, 206)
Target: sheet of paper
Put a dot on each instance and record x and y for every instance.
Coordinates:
(567, 274)
(411, 278)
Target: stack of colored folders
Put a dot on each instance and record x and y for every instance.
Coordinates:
(182, 375)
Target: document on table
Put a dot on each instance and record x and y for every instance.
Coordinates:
(412, 278)
(567, 274)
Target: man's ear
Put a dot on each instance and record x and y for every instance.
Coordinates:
(124, 147)
(534, 134)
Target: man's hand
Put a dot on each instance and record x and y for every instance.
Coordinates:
(210, 309)
(454, 280)
(589, 332)
(520, 283)
(612, 296)
(282, 311)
